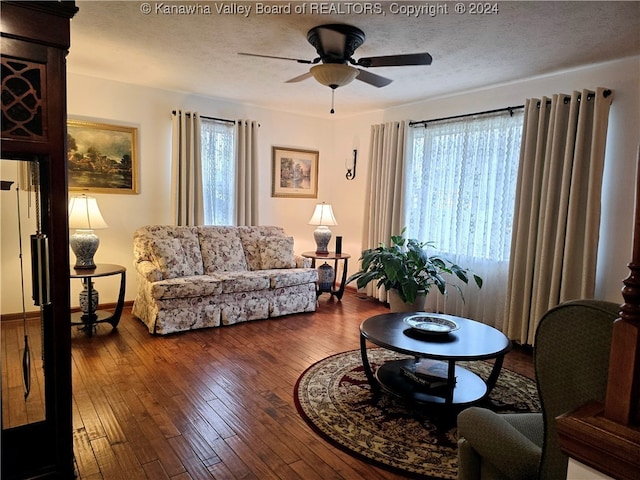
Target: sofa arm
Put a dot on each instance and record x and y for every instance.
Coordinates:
(149, 271)
(302, 262)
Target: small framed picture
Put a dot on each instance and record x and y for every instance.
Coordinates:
(102, 157)
(295, 173)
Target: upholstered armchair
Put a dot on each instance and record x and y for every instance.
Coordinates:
(571, 360)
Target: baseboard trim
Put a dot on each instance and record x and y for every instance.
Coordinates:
(34, 314)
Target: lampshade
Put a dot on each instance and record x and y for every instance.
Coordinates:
(323, 215)
(84, 217)
(334, 75)
(84, 213)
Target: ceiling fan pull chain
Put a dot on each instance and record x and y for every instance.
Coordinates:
(333, 93)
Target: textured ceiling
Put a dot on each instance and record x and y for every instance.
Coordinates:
(198, 53)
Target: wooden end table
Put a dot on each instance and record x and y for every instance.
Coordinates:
(89, 320)
(335, 257)
(472, 341)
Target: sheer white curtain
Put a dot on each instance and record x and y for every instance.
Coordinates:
(556, 229)
(383, 204)
(186, 169)
(218, 172)
(460, 192)
(247, 172)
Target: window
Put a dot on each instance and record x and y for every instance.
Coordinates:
(218, 172)
(460, 194)
(460, 184)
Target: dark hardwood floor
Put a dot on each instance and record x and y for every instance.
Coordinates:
(214, 403)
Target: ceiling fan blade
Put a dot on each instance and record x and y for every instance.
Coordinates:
(373, 79)
(299, 78)
(280, 58)
(396, 60)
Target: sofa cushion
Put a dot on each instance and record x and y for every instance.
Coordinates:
(170, 257)
(276, 252)
(234, 282)
(187, 236)
(250, 237)
(291, 277)
(186, 287)
(221, 249)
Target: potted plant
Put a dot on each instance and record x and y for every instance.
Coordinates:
(408, 272)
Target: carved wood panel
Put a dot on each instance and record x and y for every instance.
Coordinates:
(23, 107)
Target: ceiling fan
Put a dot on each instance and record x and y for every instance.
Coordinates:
(335, 66)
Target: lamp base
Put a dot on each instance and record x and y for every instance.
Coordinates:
(84, 244)
(322, 235)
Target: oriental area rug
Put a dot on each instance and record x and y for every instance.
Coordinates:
(335, 399)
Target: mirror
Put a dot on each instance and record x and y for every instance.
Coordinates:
(23, 393)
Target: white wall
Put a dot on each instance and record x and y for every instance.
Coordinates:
(579, 471)
(149, 110)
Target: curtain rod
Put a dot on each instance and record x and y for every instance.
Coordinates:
(590, 96)
(209, 118)
(486, 112)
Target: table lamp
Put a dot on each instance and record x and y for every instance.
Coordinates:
(322, 217)
(84, 217)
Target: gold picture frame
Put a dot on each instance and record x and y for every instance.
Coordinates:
(102, 157)
(294, 173)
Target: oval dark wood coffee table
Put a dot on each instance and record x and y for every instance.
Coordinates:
(471, 341)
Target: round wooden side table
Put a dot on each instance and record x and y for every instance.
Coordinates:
(336, 257)
(89, 319)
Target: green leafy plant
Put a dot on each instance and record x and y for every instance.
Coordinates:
(406, 267)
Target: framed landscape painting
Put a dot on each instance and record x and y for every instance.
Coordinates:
(102, 157)
(295, 173)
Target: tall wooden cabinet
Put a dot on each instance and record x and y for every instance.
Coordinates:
(35, 41)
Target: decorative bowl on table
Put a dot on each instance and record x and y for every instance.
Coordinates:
(430, 324)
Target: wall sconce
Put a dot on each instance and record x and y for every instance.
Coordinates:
(351, 166)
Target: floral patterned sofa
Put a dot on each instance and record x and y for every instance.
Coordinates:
(207, 276)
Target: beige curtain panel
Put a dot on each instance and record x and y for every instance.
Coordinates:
(186, 169)
(385, 185)
(247, 172)
(557, 214)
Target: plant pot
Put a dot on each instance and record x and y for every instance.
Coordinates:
(397, 305)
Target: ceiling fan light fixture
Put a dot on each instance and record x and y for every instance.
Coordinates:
(334, 75)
